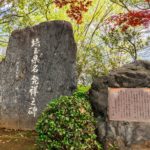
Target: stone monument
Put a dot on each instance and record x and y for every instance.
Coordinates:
(39, 66)
(126, 131)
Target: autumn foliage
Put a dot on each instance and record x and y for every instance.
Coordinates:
(132, 18)
(76, 8)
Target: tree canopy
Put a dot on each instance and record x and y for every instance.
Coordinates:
(97, 24)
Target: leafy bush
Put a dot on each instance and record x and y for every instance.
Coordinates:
(82, 91)
(67, 124)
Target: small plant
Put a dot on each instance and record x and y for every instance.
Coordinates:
(67, 124)
(82, 91)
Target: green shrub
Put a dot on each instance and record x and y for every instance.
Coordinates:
(67, 124)
(82, 91)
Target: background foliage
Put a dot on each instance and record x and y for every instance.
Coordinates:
(95, 55)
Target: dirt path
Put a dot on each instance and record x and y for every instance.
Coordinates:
(17, 140)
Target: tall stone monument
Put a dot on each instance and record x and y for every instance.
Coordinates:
(39, 66)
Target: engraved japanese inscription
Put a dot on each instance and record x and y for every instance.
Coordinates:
(129, 104)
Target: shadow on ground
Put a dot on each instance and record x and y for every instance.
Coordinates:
(17, 140)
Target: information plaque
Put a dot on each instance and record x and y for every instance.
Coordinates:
(129, 104)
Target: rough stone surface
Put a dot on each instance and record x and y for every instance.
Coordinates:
(127, 135)
(39, 66)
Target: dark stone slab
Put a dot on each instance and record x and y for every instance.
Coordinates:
(39, 66)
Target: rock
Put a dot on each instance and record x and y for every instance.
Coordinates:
(127, 135)
(39, 66)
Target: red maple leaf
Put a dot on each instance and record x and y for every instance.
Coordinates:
(132, 18)
(76, 8)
